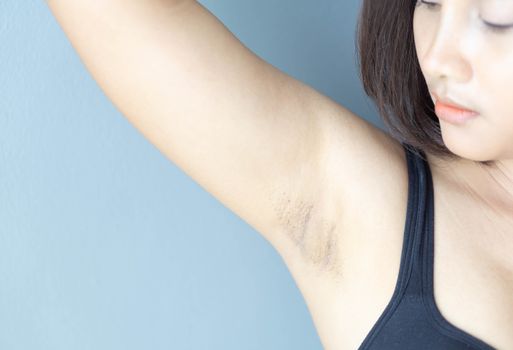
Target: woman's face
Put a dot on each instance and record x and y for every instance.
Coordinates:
(464, 60)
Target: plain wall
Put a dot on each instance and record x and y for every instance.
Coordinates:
(104, 243)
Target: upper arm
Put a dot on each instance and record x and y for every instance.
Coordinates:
(257, 139)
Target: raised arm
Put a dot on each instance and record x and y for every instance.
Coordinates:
(257, 139)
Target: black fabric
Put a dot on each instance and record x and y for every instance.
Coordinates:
(411, 319)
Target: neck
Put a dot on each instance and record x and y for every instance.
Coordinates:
(490, 185)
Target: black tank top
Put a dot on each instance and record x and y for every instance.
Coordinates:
(411, 319)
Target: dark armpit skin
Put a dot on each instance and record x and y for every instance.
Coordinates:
(316, 239)
(323, 251)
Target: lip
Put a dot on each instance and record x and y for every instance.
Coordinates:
(451, 112)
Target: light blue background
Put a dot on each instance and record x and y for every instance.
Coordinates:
(104, 243)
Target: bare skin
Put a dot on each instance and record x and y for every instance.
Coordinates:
(461, 58)
(301, 169)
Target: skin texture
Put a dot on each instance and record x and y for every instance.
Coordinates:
(462, 59)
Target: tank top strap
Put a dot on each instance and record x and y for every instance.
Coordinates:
(414, 264)
(422, 229)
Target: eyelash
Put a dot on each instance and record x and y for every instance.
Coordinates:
(495, 28)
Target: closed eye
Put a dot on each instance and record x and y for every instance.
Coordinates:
(495, 28)
(498, 28)
(430, 5)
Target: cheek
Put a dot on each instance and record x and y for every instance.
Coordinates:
(494, 70)
(423, 32)
(417, 33)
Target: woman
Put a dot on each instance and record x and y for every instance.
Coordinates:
(350, 208)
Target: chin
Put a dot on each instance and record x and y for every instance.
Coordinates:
(470, 150)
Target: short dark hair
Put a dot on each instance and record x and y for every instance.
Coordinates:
(392, 78)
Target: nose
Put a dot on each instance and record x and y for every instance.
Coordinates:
(445, 57)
